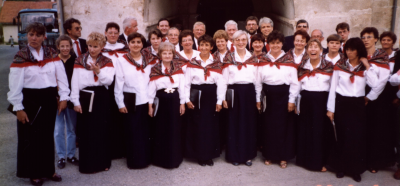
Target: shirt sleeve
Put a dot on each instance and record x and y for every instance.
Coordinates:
(106, 75)
(16, 84)
(181, 88)
(188, 82)
(294, 85)
(258, 84)
(62, 81)
(119, 85)
(221, 88)
(332, 92)
(383, 76)
(75, 87)
(152, 89)
(371, 76)
(394, 79)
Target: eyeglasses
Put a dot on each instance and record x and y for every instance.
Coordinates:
(300, 41)
(186, 40)
(252, 24)
(304, 26)
(241, 40)
(78, 28)
(113, 33)
(175, 35)
(366, 37)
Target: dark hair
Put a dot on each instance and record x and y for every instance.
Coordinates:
(252, 18)
(185, 33)
(63, 38)
(112, 25)
(179, 27)
(68, 24)
(155, 32)
(334, 37)
(372, 30)
(137, 35)
(342, 25)
(302, 21)
(389, 34)
(355, 43)
(303, 34)
(275, 35)
(207, 39)
(162, 19)
(36, 27)
(256, 37)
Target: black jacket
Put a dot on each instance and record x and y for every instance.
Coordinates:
(289, 43)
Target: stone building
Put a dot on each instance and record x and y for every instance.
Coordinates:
(325, 15)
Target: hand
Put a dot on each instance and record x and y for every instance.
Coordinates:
(151, 110)
(95, 67)
(396, 102)
(190, 105)
(365, 62)
(366, 100)
(218, 108)
(123, 110)
(78, 109)
(330, 115)
(22, 117)
(225, 104)
(398, 72)
(182, 109)
(61, 106)
(258, 105)
(290, 107)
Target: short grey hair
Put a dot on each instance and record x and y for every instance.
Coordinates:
(164, 46)
(322, 33)
(230, 22)
(199, 23)
(266, 20)
(172, 28)
(127, 22)
(238, 34)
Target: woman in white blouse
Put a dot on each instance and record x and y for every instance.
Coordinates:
(257, 45)
(35, 74)
(155, 37)
(314, 132)
(186, 40)
(334, 43)
(346, 110)
(132, 79)
(92, 76)
(221, 38)
(167, 84)
(301, 39)
(239, 71)
(204, 91)
(277, 78)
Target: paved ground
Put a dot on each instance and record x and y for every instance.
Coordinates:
(189, 173)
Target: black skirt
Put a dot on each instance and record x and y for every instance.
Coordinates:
(35, 152)
(137, 132)
(94, 145)
(349, 151)
(278, 138)
(314, 131)
(381, 120)
(241, 135)
(202, 132)
(167, 147)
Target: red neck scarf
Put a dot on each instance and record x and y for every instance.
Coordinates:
(285, 60)
(156, 71)
(380, 58)
(326, 68)
(230, 60)
(215, 67)
(115, 52)
(24, 58)
(343, 66)
(102, 61)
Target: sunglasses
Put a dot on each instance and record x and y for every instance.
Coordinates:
(78, 28)
(304, 26)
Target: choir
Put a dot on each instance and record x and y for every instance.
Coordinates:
(168, 98)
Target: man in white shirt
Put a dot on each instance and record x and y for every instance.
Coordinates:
(173, 37)
(73, 29)
(130, 26)
(343, 29)
(199, 29)
(231, 27)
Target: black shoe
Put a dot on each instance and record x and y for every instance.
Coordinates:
(235, 163)
(61, 163)
(202, 163)
(36, 182)
(56, 178)
(249, 163)
(339, 175)
(73, 160)
(210, 162)
(357, 177)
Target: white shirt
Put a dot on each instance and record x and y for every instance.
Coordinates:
(319, 82)
(394, 80)
(75, 48)
(342, 85)
(129, 79)
(273, 76)
(194, 54)
(195, 42)
(126, 37)
(297, 59)
(165, 82)
(334, 60)
(195, 76)
(222, 56)
(82, 78)
(113, 57)
(229, 44)
(154, 52)
(249, 38)
(177, 48)
(52, 74)
(382, 78)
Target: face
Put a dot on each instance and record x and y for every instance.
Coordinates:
(163, 26)
(205, 47)
(258, 46)
(155, 41)
(135, 45)
(94, 49)
(231, 29)
(387, 42)
(369, 40)
(112, 35)
(302, 26)
(314, 51)
(35, 40)
(199, 30)
(167, 55)
(266, 28)
(344, 33)
(351, 54)
(299, 42)
(240, 42)
(251, 26)
(316, 34)
(276, 46)
(334, 46)
(187, 42)
(75, 31)
(221, 44)
(64, 47)
(132, 28)
(173, 36)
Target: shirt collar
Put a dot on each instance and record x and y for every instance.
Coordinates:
(207, 62)
(272, 57)
(309, 66)
(302, 54)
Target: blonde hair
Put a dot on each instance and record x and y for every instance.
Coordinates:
(220, 34)
(166, 46)
(96, 38)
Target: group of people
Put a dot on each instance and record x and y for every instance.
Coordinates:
(185, 94)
